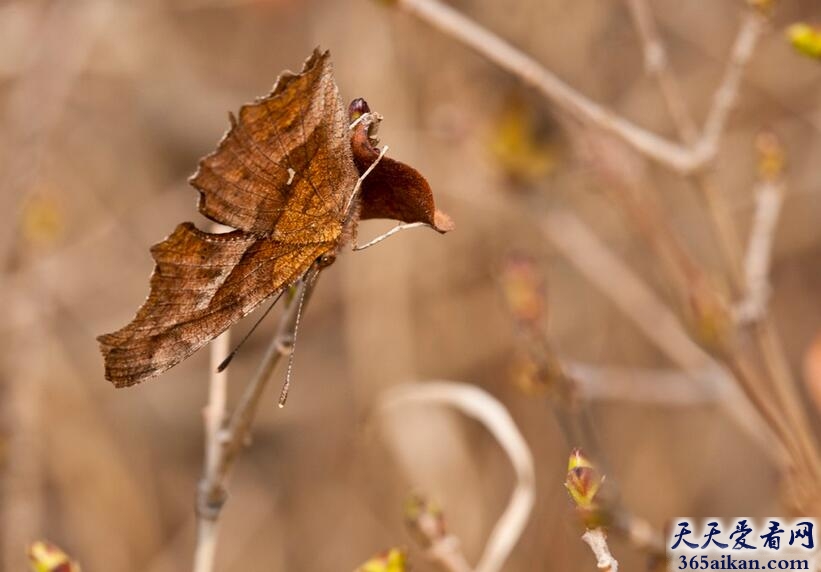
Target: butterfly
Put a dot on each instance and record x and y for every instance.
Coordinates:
(293, 175)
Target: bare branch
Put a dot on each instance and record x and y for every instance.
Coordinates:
(769, 199)
(213, 418)
(486, 409)
(227, 441)
(751, 280)
(726, 95)
(684, 159)
(461, 28)
(442, 548)
(634, 298)
(639, 533)
(660, 326)
(657, 65)
(597, 540)
(670, 387)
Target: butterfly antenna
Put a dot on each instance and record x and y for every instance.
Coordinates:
(224, 363)
(283, 394)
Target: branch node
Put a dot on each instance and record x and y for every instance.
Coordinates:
(210, 499)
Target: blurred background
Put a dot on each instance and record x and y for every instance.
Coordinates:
(106, 108)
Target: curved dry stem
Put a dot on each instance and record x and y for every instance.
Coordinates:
(480, 405)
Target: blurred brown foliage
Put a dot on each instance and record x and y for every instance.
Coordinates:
(106, 107)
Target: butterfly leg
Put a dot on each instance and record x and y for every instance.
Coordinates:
(358, 186)
(391, 232)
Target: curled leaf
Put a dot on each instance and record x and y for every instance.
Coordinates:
(46, 557)
(393, 190)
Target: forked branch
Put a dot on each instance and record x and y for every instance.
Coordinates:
(685, 159)
(226, 436)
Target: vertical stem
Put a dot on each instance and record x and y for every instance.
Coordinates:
(658, 66)
(226, 435)
(726, 96)
(213, 418)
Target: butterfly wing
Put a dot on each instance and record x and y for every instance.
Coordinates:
(285, 166)
(202, 284)
(282, 175)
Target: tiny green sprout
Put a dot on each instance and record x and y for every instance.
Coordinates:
(583, 480)
(584, 483)
(805, 39)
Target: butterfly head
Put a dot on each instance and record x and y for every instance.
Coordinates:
(359, 113)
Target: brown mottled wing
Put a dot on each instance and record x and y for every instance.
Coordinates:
(202, 283)
(285, 167)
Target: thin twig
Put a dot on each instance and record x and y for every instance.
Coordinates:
(769, 199)
(486, 409)
(213, 419)
(442, 548)
(597, 540)
(459, 27)
(639, 533)
(639, 304)
(657, 65)
(764, 331)
(724, 101)
(624, 180)
(233, 434)
(580, 246)
(668, 387)
(726, 96)
(684, 159)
